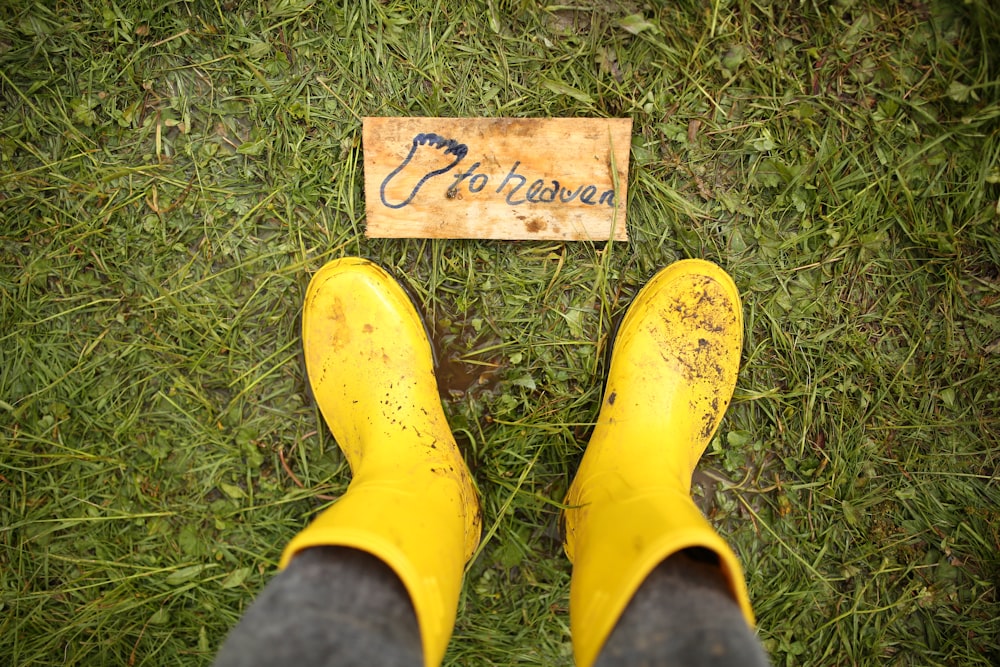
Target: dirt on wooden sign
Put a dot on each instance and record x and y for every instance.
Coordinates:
(497, 178)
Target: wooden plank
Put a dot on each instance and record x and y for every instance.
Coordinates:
(496, 178)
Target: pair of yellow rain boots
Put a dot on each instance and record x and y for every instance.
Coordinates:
(412, 501)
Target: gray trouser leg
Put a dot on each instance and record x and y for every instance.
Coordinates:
(683, 615)
(330, 607)
(345, 608)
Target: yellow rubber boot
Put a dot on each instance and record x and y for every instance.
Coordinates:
(411, 501)
(673, 371)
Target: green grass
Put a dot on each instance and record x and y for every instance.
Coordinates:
(172, 173)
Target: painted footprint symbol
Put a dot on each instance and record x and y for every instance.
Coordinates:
(430, 155)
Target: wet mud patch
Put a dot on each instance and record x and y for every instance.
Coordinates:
(457, 378)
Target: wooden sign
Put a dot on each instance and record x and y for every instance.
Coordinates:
(497, 178)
